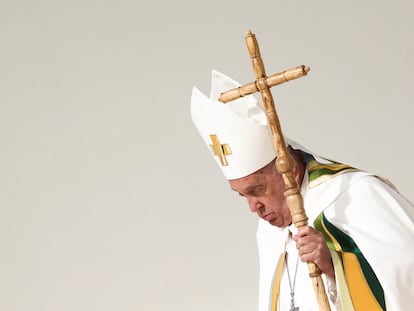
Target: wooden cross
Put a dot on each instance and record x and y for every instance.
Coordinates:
(220, 150)
(284, 162)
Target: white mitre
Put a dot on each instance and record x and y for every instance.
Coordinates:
(236, 133)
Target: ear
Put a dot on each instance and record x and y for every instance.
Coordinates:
(299, 169)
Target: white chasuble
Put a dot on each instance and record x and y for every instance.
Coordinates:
(378, 219)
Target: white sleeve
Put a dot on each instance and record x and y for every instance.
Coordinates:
(332, 293)
(381, 222)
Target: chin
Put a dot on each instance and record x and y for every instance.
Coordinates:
(278, 223)
(275, 223)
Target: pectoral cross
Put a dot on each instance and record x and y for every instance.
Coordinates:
(292, 304)
(292, 300)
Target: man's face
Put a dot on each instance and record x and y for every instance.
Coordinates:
(263, 191)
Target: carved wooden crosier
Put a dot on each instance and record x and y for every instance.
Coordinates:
(284, 162)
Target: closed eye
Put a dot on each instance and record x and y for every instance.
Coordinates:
(259, 190)
(256, 190)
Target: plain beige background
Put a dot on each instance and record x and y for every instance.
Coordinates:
(108, 198)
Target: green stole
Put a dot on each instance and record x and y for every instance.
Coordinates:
(359, 287)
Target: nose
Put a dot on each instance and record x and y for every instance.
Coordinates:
(254, 205)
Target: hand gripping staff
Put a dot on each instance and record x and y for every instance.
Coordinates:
(284, 162)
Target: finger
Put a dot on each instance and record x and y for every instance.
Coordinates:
(314, 239)
(307, 230)
(311, 248)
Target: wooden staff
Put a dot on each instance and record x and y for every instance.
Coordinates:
(284, 162)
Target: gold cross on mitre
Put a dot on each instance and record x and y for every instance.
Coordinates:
(284, 162)
(220, 150)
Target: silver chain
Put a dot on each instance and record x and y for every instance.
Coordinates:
(292, 287)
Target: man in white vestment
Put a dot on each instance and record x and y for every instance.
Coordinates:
(360, 233)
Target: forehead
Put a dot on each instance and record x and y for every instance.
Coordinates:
(250, 181)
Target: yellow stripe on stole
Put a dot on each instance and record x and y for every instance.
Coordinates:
(334, 241)
(276, 282)
(334, 166)
(346, 301)
(361, 294)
